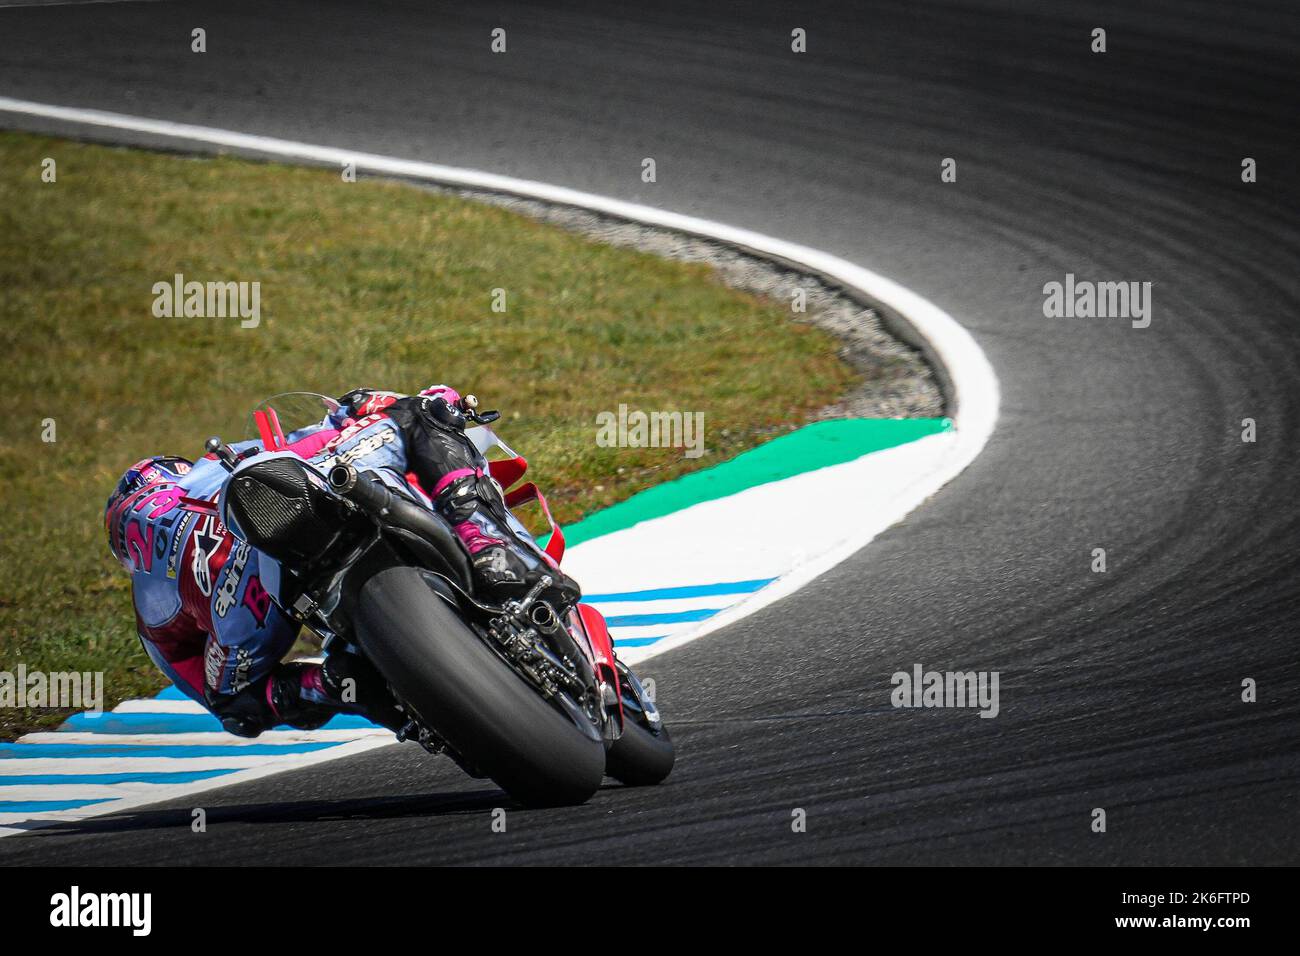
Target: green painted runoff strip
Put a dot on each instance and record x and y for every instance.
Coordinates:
(814, 446)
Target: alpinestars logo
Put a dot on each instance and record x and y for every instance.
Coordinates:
(371, 443)
(234, 573)
(207, 541)
(377, 401)
(357, 426)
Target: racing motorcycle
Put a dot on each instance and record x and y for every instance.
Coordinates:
(527, 694)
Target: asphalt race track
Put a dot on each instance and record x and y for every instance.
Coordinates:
(1118, 690)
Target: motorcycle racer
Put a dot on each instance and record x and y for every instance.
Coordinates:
(203, 597)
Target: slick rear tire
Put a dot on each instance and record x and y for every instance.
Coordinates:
(462, 689)
(640, 758)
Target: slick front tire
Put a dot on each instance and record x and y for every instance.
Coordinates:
(640, 758)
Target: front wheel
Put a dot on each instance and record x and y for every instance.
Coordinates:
(644, 754)
(640, 757)
(464, 691)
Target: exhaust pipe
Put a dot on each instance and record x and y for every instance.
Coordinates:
(370, 496)
(342, 479)
(543, 617)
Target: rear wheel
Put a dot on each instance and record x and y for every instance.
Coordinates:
(465, 692)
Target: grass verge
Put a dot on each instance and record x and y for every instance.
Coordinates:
(364, 283)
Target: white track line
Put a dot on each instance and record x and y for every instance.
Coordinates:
(198, 738)
(153, 705)
(25, 766)
(180, 790)
(959, 361)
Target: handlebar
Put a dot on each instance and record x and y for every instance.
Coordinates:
(228, 457)
(469, 407)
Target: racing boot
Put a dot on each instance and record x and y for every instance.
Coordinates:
(306, 696)
(350, 681)
(505, 564)
(284, 696)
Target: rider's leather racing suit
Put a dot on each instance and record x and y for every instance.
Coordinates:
(203, 597)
